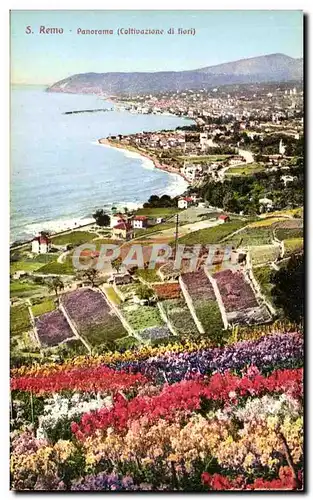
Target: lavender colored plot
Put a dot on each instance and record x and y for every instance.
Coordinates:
(52, 328)
(198, 285)
(93, 317)
(236, 293)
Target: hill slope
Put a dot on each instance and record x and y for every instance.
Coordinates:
(273, 67)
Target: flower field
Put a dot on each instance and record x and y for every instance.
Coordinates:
(167, 291)
(179, 315)
(204, 302)
(52, 328)
(184, 417)
(92, 316)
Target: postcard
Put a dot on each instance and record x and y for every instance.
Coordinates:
(156, 250)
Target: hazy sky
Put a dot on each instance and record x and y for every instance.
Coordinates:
(221, 36)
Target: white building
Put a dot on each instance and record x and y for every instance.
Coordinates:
(185, 202)
(288, 178)
(139, 222)
(41, 244)
(266, 203)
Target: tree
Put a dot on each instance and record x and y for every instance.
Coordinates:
(144, 292)
(56, 285)
(101, 217)
(288, 290)
(90, 275)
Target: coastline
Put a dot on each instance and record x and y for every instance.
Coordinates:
(155, 161)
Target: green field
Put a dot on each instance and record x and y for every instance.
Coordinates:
(207, 158)
(74, 238)
(45, 306)
(249, 169)
(24, 289)
(253, 237)
(19, 320)
(263, 275)
(58, 268)
(24, 265)
(157, 212)
(154, 229)
(149, 275)
(212, 234)
(112, 295)
(293, 245)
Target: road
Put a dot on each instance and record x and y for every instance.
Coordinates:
(248, 156)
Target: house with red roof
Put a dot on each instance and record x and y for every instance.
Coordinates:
(224, 218)
(122, 230)
(41, 244)
(139, 221)
(185, 202)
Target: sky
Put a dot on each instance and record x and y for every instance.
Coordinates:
(220, 36)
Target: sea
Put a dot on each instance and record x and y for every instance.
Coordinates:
(60, 174)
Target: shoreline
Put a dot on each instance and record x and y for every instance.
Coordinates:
(155, 161)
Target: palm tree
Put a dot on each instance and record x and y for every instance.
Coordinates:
(56, 285)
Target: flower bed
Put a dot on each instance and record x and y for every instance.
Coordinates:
(198, 285)
(179, 315)
(186, 397)
(275, 350)
(195, 420)
(155, 333)
(141, 317)
(204, 302)
(93, 317)
(52, 328)
(97, 379)
(167, 291)
(236, 293)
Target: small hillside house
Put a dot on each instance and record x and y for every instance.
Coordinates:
(139, 222)
(185, 202)
(41, 244)
(224, 218)
(123, 230)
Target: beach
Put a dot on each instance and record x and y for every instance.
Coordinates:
(137, 151)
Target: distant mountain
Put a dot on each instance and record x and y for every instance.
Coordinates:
(269, 68)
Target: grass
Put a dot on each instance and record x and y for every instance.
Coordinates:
(287, 234)
(19, 320)
(293, 245)
(294, 212)
(24, 265)
(154, 229)
(212, 234)
(58, 268)
(149, 275)
(266, 222)
(253, 237)
(112, 295)
(24, 289)
(208, 313)
(262, 275)
(74, 238)
(264, 253)
(249, 169)
(44, 258)
(157, 212)
(45, 306)
(201, 159)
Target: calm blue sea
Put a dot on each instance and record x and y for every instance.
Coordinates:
(60, 175)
